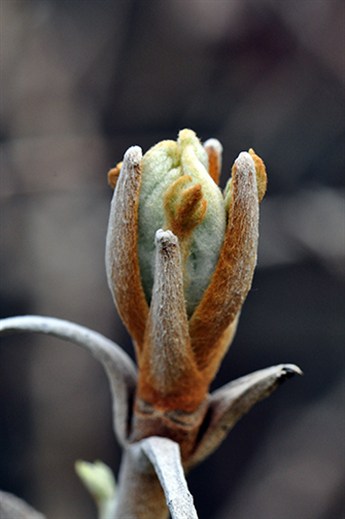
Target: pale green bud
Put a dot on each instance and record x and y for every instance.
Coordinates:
(98, 479)
(198, 214)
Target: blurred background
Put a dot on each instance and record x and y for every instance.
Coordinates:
(83, 80)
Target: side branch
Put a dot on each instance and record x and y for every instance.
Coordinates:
(229, 403)
(11, 507)
(119, 367)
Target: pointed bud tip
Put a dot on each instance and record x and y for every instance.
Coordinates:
(165, 238)
(290, 370)
(214, 143)
(133, 155)
(245, 163)
(98, 479)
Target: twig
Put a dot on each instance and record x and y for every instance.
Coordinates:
(119, 367)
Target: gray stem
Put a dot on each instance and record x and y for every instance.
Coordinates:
(152, 481)
(119, 367)
(164, 455)
(140, 495)
(229, 403)
(11, 507)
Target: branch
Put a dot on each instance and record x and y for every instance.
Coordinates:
(229, 403)
(11, 507)
(119, 367)
(164, 454)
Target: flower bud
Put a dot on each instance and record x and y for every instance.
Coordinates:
(177, 193)
(180, 261)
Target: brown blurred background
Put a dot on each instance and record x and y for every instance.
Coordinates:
(81, 82)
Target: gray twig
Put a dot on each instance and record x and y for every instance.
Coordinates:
(119, 367)
(229, 403)
(11, 507)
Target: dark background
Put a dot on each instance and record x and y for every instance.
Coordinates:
(81, 82)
